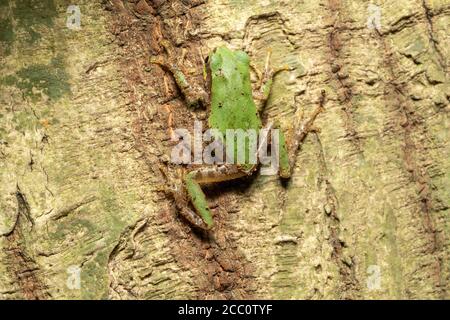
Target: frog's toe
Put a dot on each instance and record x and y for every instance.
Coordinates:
(290, 68)
(286, 67)
(157, 60)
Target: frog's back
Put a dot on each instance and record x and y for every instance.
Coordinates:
(232, 105)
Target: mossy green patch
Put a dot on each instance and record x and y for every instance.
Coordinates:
(73, 227)
(110, 204)
(94, 280)
(7, 35)
(38, 79)
(25, 121)
(390, 226)
(8, 80)
(415, 49)
(31, 15)
(417, 46)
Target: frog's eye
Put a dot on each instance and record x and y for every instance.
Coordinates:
(241, 55)
(215, 61)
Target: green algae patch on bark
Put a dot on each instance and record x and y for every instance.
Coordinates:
(37, 80)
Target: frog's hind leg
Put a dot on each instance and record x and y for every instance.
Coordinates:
(195, 178)
(182, 204)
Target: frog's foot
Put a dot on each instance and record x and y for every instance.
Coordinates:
(167, 46)
(315, 129)
(194, 95)
(258, 73)
(210, 174)
(269, 72)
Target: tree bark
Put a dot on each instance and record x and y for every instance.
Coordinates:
(85, 124)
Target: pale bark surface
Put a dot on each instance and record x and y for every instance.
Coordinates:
(84, 149)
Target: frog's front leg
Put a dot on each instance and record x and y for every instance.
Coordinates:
(193, 181)
(288, 149)
(193, 94)
(265, 80)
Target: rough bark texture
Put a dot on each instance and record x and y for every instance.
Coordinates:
(84, 147)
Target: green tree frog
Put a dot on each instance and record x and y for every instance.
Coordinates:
(231, 105)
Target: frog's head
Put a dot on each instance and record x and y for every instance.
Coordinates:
(223, 56)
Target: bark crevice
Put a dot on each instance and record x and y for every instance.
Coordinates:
(23, 268)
